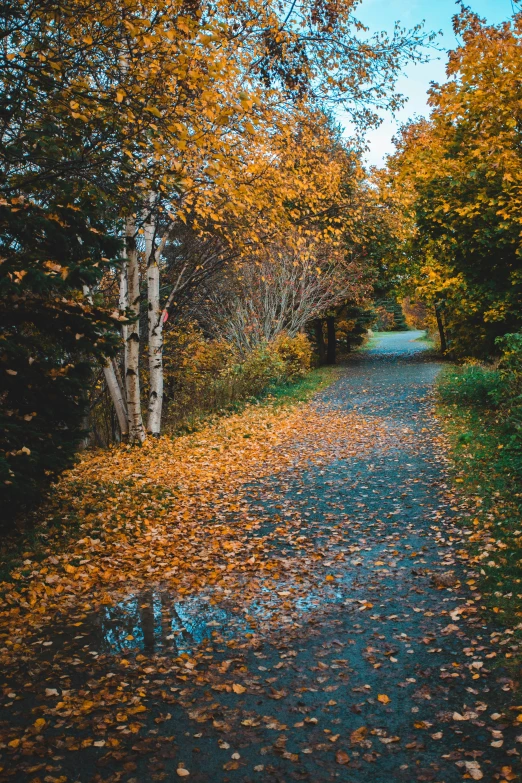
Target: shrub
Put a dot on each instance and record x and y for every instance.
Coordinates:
(260, 368)
(296, 354)
(205, 375)
(472, 384)
(509, 394)
(498, 388)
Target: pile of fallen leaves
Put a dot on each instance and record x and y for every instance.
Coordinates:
(172, 513)
(185, 587)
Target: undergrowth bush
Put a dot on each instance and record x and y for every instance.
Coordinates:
(509, 394)
(296, 355)
(472, 384)
(494, 388)
(482, 413)
(204, 376)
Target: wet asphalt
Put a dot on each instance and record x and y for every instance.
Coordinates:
(382, 676)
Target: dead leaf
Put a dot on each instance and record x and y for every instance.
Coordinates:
(357, 736)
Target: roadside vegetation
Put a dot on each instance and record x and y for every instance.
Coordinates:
(481, 409)
(190, 244)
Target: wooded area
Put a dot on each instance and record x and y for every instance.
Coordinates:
(191, 248)
(183, 219)
(173, 161)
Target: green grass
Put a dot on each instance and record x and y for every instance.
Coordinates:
(302, 389)
(488, 468)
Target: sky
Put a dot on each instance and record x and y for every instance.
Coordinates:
(437, 14)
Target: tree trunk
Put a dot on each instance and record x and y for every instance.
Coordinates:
(86, 423)
(123, 304)
(117, 396)
(331, 347)
(132, 376)
(319, 339)
(147, 621)
(155, 320)
(442, 333)
(111, 371)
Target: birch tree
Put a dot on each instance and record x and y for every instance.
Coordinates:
(136, 428)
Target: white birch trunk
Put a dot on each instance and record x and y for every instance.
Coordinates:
(111, 379)
(155, 323)
(123, 304)
(155, 349)
(132, 376)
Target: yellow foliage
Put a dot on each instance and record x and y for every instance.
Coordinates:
(208, 375)
(296, 353)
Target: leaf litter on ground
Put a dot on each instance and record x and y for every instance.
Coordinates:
(228, 534)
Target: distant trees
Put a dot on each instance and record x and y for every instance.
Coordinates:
(458, 179)
(281, 290)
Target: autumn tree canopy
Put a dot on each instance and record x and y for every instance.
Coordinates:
(124, 127)
(455, 182)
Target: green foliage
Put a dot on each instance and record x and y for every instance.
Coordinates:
(482, 410)
(489, 467)
(496, 388)
(48, 342)
(472, 384)
(54, 240)
(509, 396)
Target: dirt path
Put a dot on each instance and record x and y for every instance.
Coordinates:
(361, 658)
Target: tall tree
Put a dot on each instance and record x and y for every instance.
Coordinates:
(459, 175)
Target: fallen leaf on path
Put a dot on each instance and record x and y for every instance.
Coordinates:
(357, 736)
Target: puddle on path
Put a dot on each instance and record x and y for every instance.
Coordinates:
(156, 621)
(159, 621)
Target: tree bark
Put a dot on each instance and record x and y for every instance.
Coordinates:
(123, 304)
(111, 371)
(117, 396)
(331, 346)
(442, 333)
(155, 322)
(319, 339)
(132, 375)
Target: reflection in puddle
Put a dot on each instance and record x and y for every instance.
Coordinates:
(156, 621)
